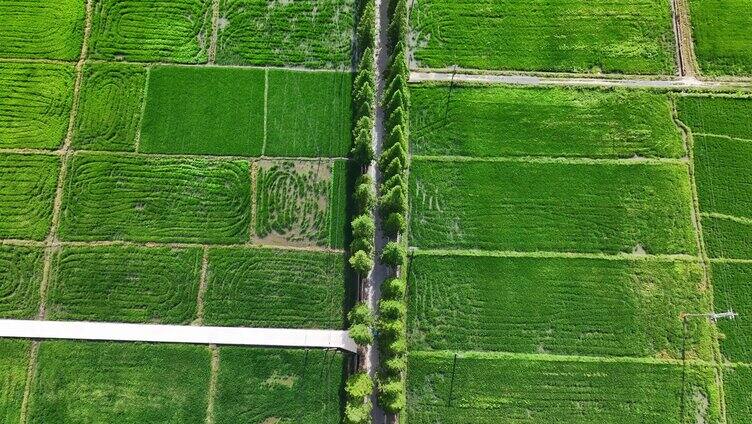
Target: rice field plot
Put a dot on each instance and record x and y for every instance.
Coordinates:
(722, 116)
(124, 284)
(724, 184)
(109, 109)
(720, 29)
(293, 203)
(50, 29)
(493, 388)
(311, 33)
(121, 197)
(732, 288)
(551, 206)
(309, 114)
(737, 382)
(488, 121)
(275, 288)
(562, 306)
(20, 279)
(150, 31)
(216, 111)
(27, 191)
(84, 382)
(35, 105)
(279, 386)
(623, 36)
(14, 358)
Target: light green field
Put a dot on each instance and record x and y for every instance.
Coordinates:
(85, 382)
(621, 36)
(35, 105)
(486, 389)
(738, 383)
(125, 284)
(309, 114)
(732, 288)
(14, 358)
(275, 288)
(216, 111)
(279, 386)
(149, 30)
(109, 109)
(110, 197)
(723, 175)
(507, 121)
(312, 33)
(725, 116)
(294, 204)
(20, 279)
(559, 306)
(27, 191)
(551, 206)
(49, 29)
(721, 33)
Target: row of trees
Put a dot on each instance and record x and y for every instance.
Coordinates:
(359, 385)
(393, 164)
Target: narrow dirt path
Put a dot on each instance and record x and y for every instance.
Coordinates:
(684, 45)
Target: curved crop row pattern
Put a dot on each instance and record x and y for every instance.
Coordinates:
(20, 277)
(41, 29)
(27, 190)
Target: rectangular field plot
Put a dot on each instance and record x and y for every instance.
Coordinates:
(217, 111)
(275, 288)
(623, 36)
(14, 359)
(49, 29)
(506, 121)
(27, 192)
(109, 109)
(726, 116)
(279, 386)
(553, 206)
(83, 382)
(109, 197)
(149, 30)
(558, 306)
(490, 389)
(35, 105)
(125, 284)
(723, 171)
(312, 33)
(20, 279)
(737, 382)
(309, 113)
(732, 288)
(295, 206)
(722, 37)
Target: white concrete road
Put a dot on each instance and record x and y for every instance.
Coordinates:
(270, 337)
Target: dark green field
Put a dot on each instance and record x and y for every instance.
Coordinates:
(275, 288)
(35, 103)
(20, 278)
(279, 386)
(559, 306)
(723, 116)
(14, 357)
(492, 121)
(109, 110)
(217, 111)
(732, 285)
(27, 191)
(487, 388)
(125, 284)
(593, 36)
(722, 37)
(738, 383)
(532, 206)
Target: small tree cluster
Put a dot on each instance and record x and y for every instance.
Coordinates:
(358, 406)
(361, 321)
